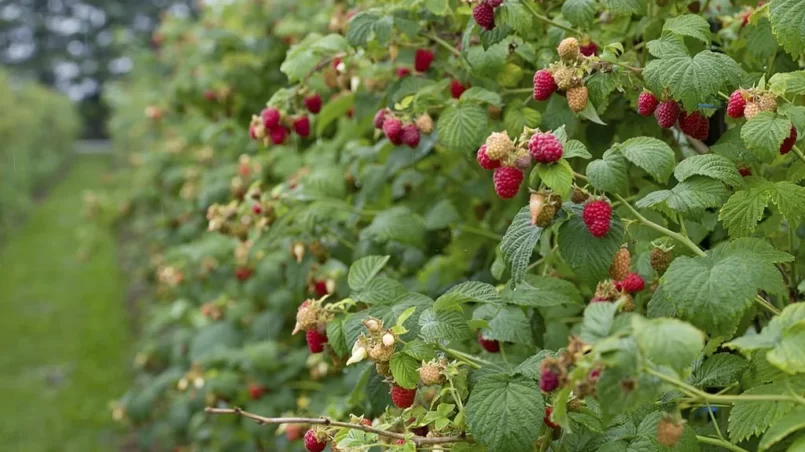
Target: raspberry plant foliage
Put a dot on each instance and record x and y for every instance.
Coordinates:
(356, 196)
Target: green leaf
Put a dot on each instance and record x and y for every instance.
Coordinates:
(788, 23)
(689, 25)
(789, 354)
(696, 194)
(443, 326)
(625, 7)
(786, 425)
(651, 154)
(380, 290)
(506, 323)
(397, 224)
(693, 79)
(742, 212)
(748, 418)
(668, 342)
(515, 15)
(361, 28)
(760, 41)
(587, 255)
(332, 110)
(542, 291)
(719, 371)
(336, 338)
(462, 127)
(557, 176)
(487, 63)
(420, 350)
(580, 13)
(669, 45)
(790, 201)
(441, 215)
(608, 173)
(710, 165)
(479, 95)
(575, 148)
(404, 369)
(466, 292)
(518, 243)
(502, 412)
(598, 321)
(364, 269)
(792, 83)
(764, 133)
(591, 114)
(760, 248)
(516, 117)
(438, 7)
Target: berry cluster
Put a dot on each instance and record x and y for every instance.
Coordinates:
(399, 133)
(312, 318)
(484, 13)
(749, 102)
(561, 371)
(270, 125)
(668, 112)
(566, 76)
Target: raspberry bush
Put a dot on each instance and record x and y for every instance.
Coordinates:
(502, 225)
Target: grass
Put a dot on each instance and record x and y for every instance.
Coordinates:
(64, 335)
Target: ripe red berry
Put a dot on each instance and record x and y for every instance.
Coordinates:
(392, 128)
(789, 142)
(302, 126)
(256, 391)
(278, 134)
(315, 340)
(490, 345)
(312, 443)
(545, 147)
(456, 89)
(403, 72)
(313, 103)
(690, 123)
(597, 215)
(544, 85)
(402, 398)
(667, 113)
(484, 16)
(257, 209)
(745, 171)
(271, 117)
(588, 49)
(703, 130)
(548, 380)
(410, 135)
(632, 283)
(507, 181)
(484, 160)
(243, 273)
(380, 117)
(646, 103)
(494, 3)
(400, 441)
(736, 104)
(320, 287)
(422, 59)
(547, 418)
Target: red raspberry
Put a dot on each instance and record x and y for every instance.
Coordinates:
(789, 142)
(588, 49)
(494, 3)
(418, 431)
(403, 72)
(410, 135)
(507, 182)
(689, 123)
(336, 63)
(392, 128)
(597, 215)
(320, 288)
(594, 375)
(243, 273)
(315, 340)
(278, 134)
(302, 126)
(484, 16)
(545, 147)
(667, 113)
(736, 104)
(544, 85)
(422, 59)
(548, 380)
(745, 171)
(456, 89)
(490, 345)
(632, 283)
(257, 209)
(646, 103)
(313, 103)
(484, 160)
(380, 117)
(402, 398)
(312, 443)
(547, 418)
(400, 441)
(256, 391)
(271, 117)
(703, 129)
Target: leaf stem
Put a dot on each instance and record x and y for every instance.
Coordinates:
(444, 44)
(478, 231)
(799, 153)
(546, 20)
(720, 443)
(674, 235)
(470, 360)
(725, 398)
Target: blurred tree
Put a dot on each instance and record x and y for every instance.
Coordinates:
(77, 45)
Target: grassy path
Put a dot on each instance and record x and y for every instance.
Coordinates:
(64, 334)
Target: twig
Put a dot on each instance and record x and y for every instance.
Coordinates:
(674, 235)
(799, 154)
(322, 64)
(544, 19)
(724, 398)
(720, 443)
(418, 440)
(444, 44)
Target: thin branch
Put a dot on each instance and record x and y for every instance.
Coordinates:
(321, 65)
(478, 231)
(546, 20)
(444, 44)
(418, 440)
(720, 443)
(665, 231)
(698, 394)
(799, 154)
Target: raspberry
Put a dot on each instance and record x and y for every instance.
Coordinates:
(302, 126)
(484, 160)
(271, 117)
(703, 129)
(605, 290)
(400, 441)
(431, 374)
(768, 102)
(507, 182)
(422, 59)
(620, 264)
(548, 380)
(424, 123)
(418, 431)
(736, 104)
(565, 77)
(494, 3)
(402, 398)
(789, 142)
(380, 118)
(669, 432)
(392, 128)
(383, 368)
(547, 418)
(646, 103)
(579, 196)
(632, 283)
(313, 103)
(544, 85)
(660, 259)
(751, 110)
(278, 134)
(499, 145)
(745, 171)
(597, 215)
(320, 288)
(545, 147)
(577, 98)
(568, 49)
(366, 422)
(315, 340)
(381, 353)
(627, 302)
(588, 49)
(257, 209)
(307, 316)
(293, 432)
(689, 123)
(456, 89)
(312, 443)
(545, 217)
(243, 273)
(410, 135)
(256, 391)
(523, 162)
(490, 345)
(666, 113)
(403, 72)
(484, 16)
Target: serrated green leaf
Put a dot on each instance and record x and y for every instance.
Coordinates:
(591, 114)
(438, 7)
(790, 201)
(516, 117)
(506, 323)
(786, 425)
(575, 148)
(742, 212)
(795, 114)
(441, 215)
(760, 248)
(419, 350)
(689, 25)
(515, 15)
(443, 326)
(404, 369)
(462, 127)
(693, 79)
(668, 341)
(336, 338)
(580, 13)
(764, 133)
(587, 255)
(625, 7)
(696, 194)
(466, 292)
(710, 165)
(332, 110)
(557, 176)
(379, 290)
(760, 41)
(502, 412)
(598, 321)
(789, 354)
(718, 371)
(788, 23)
(651, 154)
(397, 224)
(792, 83)
(542, 291)
(667, 46)
(364, 269)
(608, 173)
(487, 63)
(599, 86)
(518, 243)
(749, 418)
(361, 28)
(480, 95)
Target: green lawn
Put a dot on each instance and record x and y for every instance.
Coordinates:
(64, 333)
